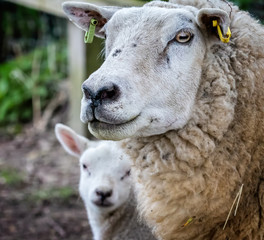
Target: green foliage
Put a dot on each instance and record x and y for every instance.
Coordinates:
(243, 4)
(151, 0)
(255, 7)
(23, 29)
(38, 71)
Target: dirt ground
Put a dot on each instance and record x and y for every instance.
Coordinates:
(39, 190)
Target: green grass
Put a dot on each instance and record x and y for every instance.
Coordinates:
(61, 194)
(11, 177)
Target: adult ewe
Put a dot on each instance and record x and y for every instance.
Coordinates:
(191, 108)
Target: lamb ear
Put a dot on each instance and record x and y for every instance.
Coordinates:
(82, 13)
(73, 143)
(206, 16)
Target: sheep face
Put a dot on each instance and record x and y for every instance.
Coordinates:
(150, 78)
(153, 66)
(104, 181)
(105, 170)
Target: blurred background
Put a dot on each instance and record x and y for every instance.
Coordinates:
(43, 61)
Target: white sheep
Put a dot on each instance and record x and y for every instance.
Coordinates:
(105, 187)
(191, 108)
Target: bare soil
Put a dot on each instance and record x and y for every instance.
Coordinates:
(39, 190)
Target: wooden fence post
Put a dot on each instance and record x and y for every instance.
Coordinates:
(84, 59)
(77, 74)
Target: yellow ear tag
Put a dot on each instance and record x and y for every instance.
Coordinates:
(227, 36)
(89, 36)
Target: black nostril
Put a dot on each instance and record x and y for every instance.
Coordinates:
(111, 93)
(104, 194)
(108, 94)
(87, 92)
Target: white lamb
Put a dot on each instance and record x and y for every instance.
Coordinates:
(105, 187)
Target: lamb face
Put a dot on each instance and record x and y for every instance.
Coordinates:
(148, 82)
(104, 181)
(105, 186)
(105, 170)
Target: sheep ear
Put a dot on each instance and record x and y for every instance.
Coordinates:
(73, 143)
(206, 16)
(82, 13)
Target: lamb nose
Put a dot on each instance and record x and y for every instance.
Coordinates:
(104, 194)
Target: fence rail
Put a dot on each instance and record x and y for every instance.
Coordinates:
(54, 6)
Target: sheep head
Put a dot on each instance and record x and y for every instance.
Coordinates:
(149, 81)
(104, 171)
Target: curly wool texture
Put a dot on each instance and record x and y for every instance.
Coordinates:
(197, 171)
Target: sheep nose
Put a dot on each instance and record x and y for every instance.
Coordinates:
(109, 92)
(103, 194)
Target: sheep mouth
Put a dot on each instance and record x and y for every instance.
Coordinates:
(103, 203)
(112, 122)
(105, 126)
(103, 130)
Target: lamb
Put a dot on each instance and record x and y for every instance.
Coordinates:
(105, 187)
(188, 109)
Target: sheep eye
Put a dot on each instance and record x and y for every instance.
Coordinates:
(183, 37)
(126, 175)
(86, 169)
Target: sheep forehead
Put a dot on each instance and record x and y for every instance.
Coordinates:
(150, 18)
(105, 156)
(168, 5)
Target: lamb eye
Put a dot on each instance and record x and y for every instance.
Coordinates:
(86, 169)
(183, 37)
